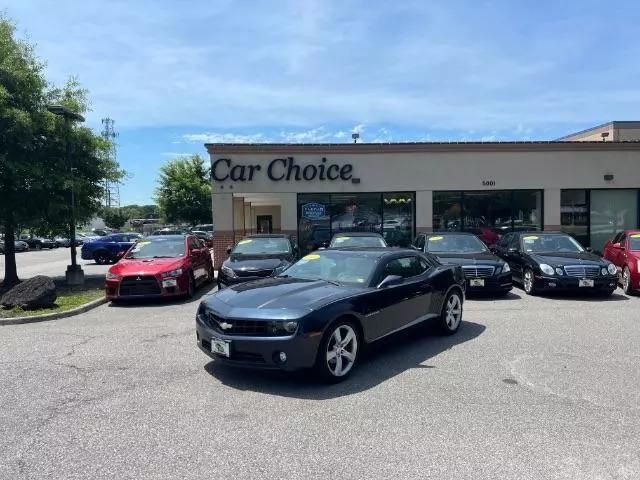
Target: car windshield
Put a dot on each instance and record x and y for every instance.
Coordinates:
(262, 246)
(158, 248)
(455, 244)
(550, 243)
(355, 268)
(634, 241)
(358, 241)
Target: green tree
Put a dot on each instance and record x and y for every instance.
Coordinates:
(36, 174)
(113, 218)
(184, 193)
(22, 102)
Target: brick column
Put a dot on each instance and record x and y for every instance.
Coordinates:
(222, 240)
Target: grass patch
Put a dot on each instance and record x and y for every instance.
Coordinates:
(68, 299)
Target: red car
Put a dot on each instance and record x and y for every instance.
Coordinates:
(160, 266)
(624, 252)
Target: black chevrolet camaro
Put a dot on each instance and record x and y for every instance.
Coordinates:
(255, 257)
(545, 261)
(484, 271)
(321, 311)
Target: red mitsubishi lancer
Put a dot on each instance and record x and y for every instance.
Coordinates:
(160, 266)
(624, 252)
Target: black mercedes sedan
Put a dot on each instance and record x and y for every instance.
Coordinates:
(255, 257)
(484, 271)
(546, 261)
(323, 310)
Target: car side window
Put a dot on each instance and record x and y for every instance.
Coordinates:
(514, 242)
(419, 242)
(194, 243)
(622, 239)
(115, 238)
(504, 240)
(405, 267)
(617, 238)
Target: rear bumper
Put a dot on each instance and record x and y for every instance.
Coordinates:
(600, 284)
(261, 352)
(494, 284)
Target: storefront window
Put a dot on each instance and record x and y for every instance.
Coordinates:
(574, 211)
(447, 211)
(611, 212)
(488, 214)
(320, 216)
(397, 212)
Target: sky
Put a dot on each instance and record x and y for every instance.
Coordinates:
(176, 74)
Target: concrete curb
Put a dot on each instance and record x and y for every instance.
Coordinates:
(55, 315)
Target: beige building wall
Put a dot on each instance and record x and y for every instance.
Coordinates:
(628, 134)
(273, 210)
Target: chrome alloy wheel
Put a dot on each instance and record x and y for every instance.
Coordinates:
(528, 281)
(453, 312)
(626, 279)
(342, 350)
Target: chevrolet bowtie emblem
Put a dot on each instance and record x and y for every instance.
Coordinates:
(225, 325)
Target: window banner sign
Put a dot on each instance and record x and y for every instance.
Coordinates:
(314, 211)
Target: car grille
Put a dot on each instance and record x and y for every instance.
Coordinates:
(139, 285)
(582, 271)
(248, 328)
(478, 271)
(254, 273)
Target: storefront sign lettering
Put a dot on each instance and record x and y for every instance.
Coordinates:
(314, 211)
(280, 169)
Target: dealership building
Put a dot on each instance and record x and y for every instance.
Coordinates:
(586, 184)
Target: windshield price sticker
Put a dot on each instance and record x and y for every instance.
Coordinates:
(342, 239)
(244, 242)
(530, 238)
(435, 239)
(312, 256)
(635, 235)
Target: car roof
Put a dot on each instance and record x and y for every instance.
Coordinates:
(371, 251)
(544, 232)
(169, 237)
(357, 234)
(451, 233)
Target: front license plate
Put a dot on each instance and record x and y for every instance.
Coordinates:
(170, 282)
(585, 282)
(220, 347)
(476, 282)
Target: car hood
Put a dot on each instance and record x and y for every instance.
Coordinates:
(255, 262)
(280, 298)
(150, 266)
(480, 258)
(562, 258)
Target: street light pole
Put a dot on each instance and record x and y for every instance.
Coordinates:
(74, 274)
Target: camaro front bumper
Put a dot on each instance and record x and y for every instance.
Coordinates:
(261, 352)
(602, 283)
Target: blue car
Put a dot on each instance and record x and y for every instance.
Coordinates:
(105, 249)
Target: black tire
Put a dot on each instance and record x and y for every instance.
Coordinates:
(102, 257)
(626, 282)
(529, 284)
(451, 314)
(211, 275)
(191, 289)
(330, 358)
(38, 246)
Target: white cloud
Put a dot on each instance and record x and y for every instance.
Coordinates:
(177, 154)
(217, 137)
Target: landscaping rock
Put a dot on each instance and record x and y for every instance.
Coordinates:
(37, 292)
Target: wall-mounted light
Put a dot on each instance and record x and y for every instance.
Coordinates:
(608, 177)
(604, 136)
(355, 136)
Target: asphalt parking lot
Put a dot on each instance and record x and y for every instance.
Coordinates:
(529, 388)
(52, 263)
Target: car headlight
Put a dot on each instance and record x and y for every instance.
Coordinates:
(283, 327)
(612, 269)
(278, 270)
(113, 276)
(559, 271)
(228, 272)
(546, 269)
(505, 268)
(173, 273)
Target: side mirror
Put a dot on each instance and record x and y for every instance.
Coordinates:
(390, 281)
(589, 249)
(324, 245)
(513, 250)
(229, 251)
(615, 245)
(119, 255)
